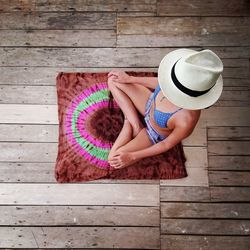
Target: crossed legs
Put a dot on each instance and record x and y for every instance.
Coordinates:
(130, 137)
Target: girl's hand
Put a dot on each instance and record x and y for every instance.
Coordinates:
(119, 76)
(122, 159)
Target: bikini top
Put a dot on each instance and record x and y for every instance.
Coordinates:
(161, 118)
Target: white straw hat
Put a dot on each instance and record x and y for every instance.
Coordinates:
(191, 79)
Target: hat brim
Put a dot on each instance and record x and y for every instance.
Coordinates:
(176, 96)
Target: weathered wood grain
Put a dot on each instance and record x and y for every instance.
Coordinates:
(57, 20)
(229, 147)
(231, 96)
(80, 57)
(205, 226)
(28, 94)
(206, 242)
(27, 172)
(189, 194)
(49, 133)
(46, 75)
(228, 162)
(106, 57)
(240, 82)
(47, 152)
(229, 133)
(232, 194)
(229, 178)
(197, 138)
(234, 97)
(137, 13)
(196, 177)
(79, 216)
(28, 152)
(79, 194)
(28, 133)
(203, 8)
(80, 237)
(236, 73)
(205, 210)
(128, 6)
(182, 31)
(48, 114)
(14, 113)
(43, 172)
(59, 38)
(226, 116)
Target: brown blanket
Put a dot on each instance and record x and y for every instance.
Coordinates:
(89, 122)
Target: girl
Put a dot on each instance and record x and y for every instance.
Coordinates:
(188, 81)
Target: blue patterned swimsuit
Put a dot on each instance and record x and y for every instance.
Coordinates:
(161, 118)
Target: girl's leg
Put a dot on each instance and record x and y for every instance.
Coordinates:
(127, 107)
(123, 138)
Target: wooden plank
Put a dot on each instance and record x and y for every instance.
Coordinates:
(234, 96)
(28, 172)
(229, 133)
(201, 8)
(198, 137)
(21, 163)
(46, 76)
(134, 14)
(28, 94)
(205, 226)
(107, 57)
(205, 210)
(236, 72)
(38, 172)
(47, 95)
(80, 237)
(28, 133)
(229, 162)
(14, 113)
(230, 52)
(182, 31)
(236, 63)
(47, 152)
(240, 82)
(79, 194)
(198, 242)
(65, 38)
(229, 147)
(226, 116)
(93, 57)
(200, 194)
(49, 133)
(57, 20)
(79, 216)
(229, 178)
(226, 194)
(28, 152)
(79, 5)
(214, 116)
(196, 177)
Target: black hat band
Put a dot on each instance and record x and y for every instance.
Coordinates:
(190, 92)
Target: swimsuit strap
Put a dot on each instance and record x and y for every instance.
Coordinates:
(176, 110)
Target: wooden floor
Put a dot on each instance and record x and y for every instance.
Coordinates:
(210, 209)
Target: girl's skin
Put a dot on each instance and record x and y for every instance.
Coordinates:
(133, 143)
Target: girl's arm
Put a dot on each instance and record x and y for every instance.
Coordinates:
(149, 82)
(122, 77)
(178, 134)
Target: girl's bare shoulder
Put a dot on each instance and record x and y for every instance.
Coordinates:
(188, 119)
